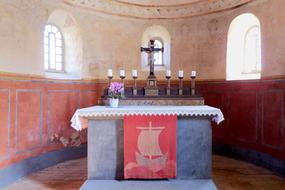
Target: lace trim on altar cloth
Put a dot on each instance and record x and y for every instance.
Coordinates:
(106, 111)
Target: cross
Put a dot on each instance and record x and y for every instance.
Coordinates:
(150, 51)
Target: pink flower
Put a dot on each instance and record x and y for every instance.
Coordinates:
(116, 90)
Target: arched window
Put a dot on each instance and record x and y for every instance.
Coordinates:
(162, 41)
(53, 49)
(158, 55)
(244, 48)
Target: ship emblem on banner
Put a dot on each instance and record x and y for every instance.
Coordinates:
(150, 147)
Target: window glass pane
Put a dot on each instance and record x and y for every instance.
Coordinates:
(157, 44)
(53, 52)
(58, 58)
(54, 29)
(158, 58)
(58, 35)
(48, 29)
(58, 50)
(59, 66)
(158, 54)
(46, 40)
(58, 43)
(46, 49)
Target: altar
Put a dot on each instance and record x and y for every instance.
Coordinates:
(106, 146)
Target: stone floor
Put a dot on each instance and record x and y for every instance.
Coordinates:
(228, 174)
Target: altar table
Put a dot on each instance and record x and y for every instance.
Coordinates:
(106, 143)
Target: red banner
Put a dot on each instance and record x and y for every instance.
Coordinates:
(150, 147)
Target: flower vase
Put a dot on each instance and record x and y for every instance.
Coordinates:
(114, 102)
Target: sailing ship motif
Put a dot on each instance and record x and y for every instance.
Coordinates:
(150, 155)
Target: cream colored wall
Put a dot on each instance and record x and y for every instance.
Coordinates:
(197, 43)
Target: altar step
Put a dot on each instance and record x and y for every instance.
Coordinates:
(149, 185)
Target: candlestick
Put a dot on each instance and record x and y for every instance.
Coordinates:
(180, 91)
(193, 77)
(168, 77)
(135, 91)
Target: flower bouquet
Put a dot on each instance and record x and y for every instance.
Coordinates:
(115, 92)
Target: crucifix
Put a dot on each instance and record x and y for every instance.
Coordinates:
(150, 51)
(151, 89)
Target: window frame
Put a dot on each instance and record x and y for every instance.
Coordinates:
(49, 70)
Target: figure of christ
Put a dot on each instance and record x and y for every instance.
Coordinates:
(150, 51)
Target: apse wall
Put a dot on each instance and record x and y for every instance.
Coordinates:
(108, 41)
(34, 107)
(197, 43)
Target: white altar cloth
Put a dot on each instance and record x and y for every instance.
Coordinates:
(106, 111)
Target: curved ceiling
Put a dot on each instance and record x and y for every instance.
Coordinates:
(157, 9)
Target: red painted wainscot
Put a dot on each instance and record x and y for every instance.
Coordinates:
(32, 111)
(254, 114)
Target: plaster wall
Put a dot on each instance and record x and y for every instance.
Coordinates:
(197, 43)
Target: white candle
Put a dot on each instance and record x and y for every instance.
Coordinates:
(110, 73)
(168, 73)
(193, 74)
(122, 73)
(180, 73)
(134, 73)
